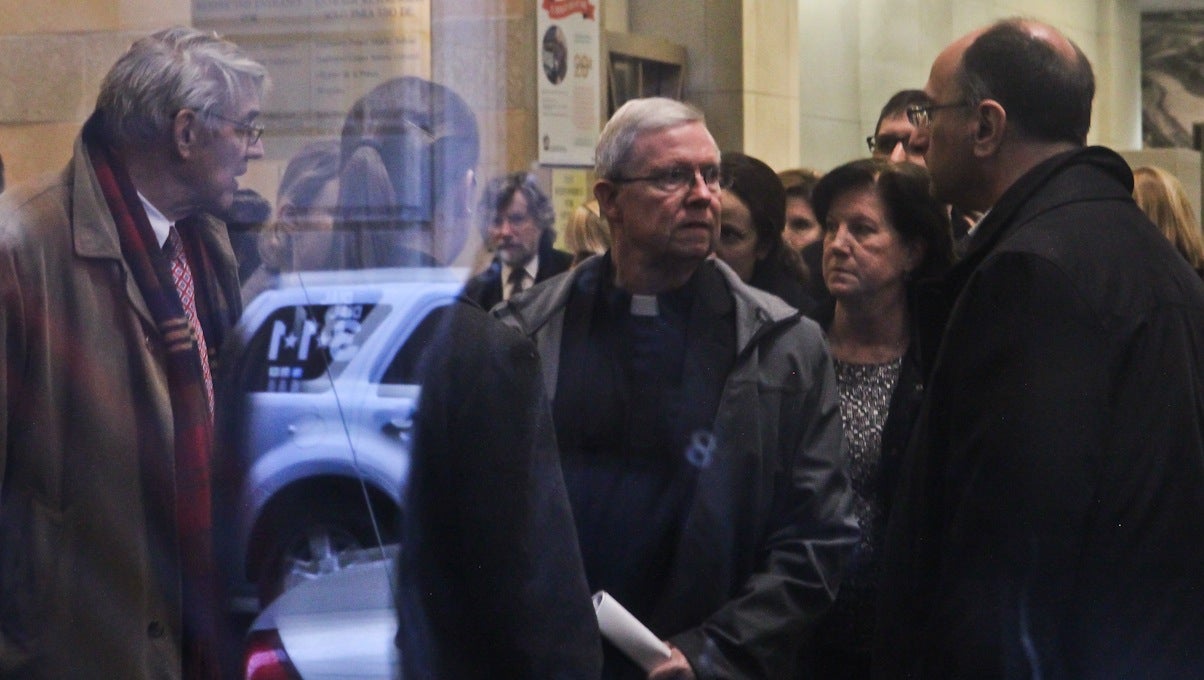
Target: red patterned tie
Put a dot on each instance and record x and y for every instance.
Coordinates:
(181, 275)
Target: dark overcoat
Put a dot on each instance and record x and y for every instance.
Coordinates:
(490, 582)
(486, 287)
(1049, 519)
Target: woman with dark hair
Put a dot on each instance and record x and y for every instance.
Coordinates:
(882, 232)
(750, 233)
(299, 236)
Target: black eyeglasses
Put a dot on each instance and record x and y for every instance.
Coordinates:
(885, 144)
(252, 131)
(682, 177)
(920, 115)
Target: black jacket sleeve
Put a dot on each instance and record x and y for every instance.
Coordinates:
(491, 582)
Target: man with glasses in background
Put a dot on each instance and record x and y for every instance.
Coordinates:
(698, 418)
(517, 224)
(117, 290)
(1049, 515)
(894, 137)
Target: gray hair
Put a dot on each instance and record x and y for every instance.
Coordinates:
(173, 69)
(633, 119)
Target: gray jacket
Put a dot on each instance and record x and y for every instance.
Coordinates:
(763, 547)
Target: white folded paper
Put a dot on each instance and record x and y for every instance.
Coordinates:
(628, 634)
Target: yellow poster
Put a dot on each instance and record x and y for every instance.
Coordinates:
(570, 188)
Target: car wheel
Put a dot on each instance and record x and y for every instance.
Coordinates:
(314, 541)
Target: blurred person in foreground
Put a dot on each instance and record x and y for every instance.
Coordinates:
(117, 289)
(1161, 196)
(697, 417)
(490, 582)
(883, 232)
(750, 232)
(298, 238)
(1046, 518)
(518, 224)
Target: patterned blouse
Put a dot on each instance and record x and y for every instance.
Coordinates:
(865, 394)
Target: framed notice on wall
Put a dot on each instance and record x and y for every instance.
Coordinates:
(568, 40)
(323, 54)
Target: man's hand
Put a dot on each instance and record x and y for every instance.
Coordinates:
(674, 668)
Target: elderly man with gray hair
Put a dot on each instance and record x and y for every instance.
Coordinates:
(117, 289)
(698, 418)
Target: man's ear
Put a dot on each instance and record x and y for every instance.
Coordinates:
(185, 132)
(990, 125)
(605, 191)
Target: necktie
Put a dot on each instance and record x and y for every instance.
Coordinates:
(181, 275)
(518, 276)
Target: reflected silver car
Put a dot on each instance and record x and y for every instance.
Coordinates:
(327, 377)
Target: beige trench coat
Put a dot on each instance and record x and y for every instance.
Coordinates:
(89, 583)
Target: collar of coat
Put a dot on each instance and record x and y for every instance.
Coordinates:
(94, 235)
(757, 312)
(1006, 215)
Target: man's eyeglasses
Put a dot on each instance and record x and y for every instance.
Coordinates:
(682, 177)
(920, 115)
(252, 131)
(885, 144)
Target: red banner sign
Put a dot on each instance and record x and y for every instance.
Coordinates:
(559, 9)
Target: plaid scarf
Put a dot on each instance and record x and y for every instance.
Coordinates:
(189, 405)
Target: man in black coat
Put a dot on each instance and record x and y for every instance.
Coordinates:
(517, 225)
(1051, 510)
(491, 579)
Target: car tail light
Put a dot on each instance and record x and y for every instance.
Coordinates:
(265, 658)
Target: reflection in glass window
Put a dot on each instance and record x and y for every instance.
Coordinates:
(295, 345)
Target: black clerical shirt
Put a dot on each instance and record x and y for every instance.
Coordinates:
(636, 392)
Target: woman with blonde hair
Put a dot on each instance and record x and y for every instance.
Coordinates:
(586, 232)
(1163, 199)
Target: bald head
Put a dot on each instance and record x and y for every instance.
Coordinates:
(1037, 74)
(1005, 98)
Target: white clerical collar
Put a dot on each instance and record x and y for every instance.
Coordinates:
(159, 224)
(644, 305)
